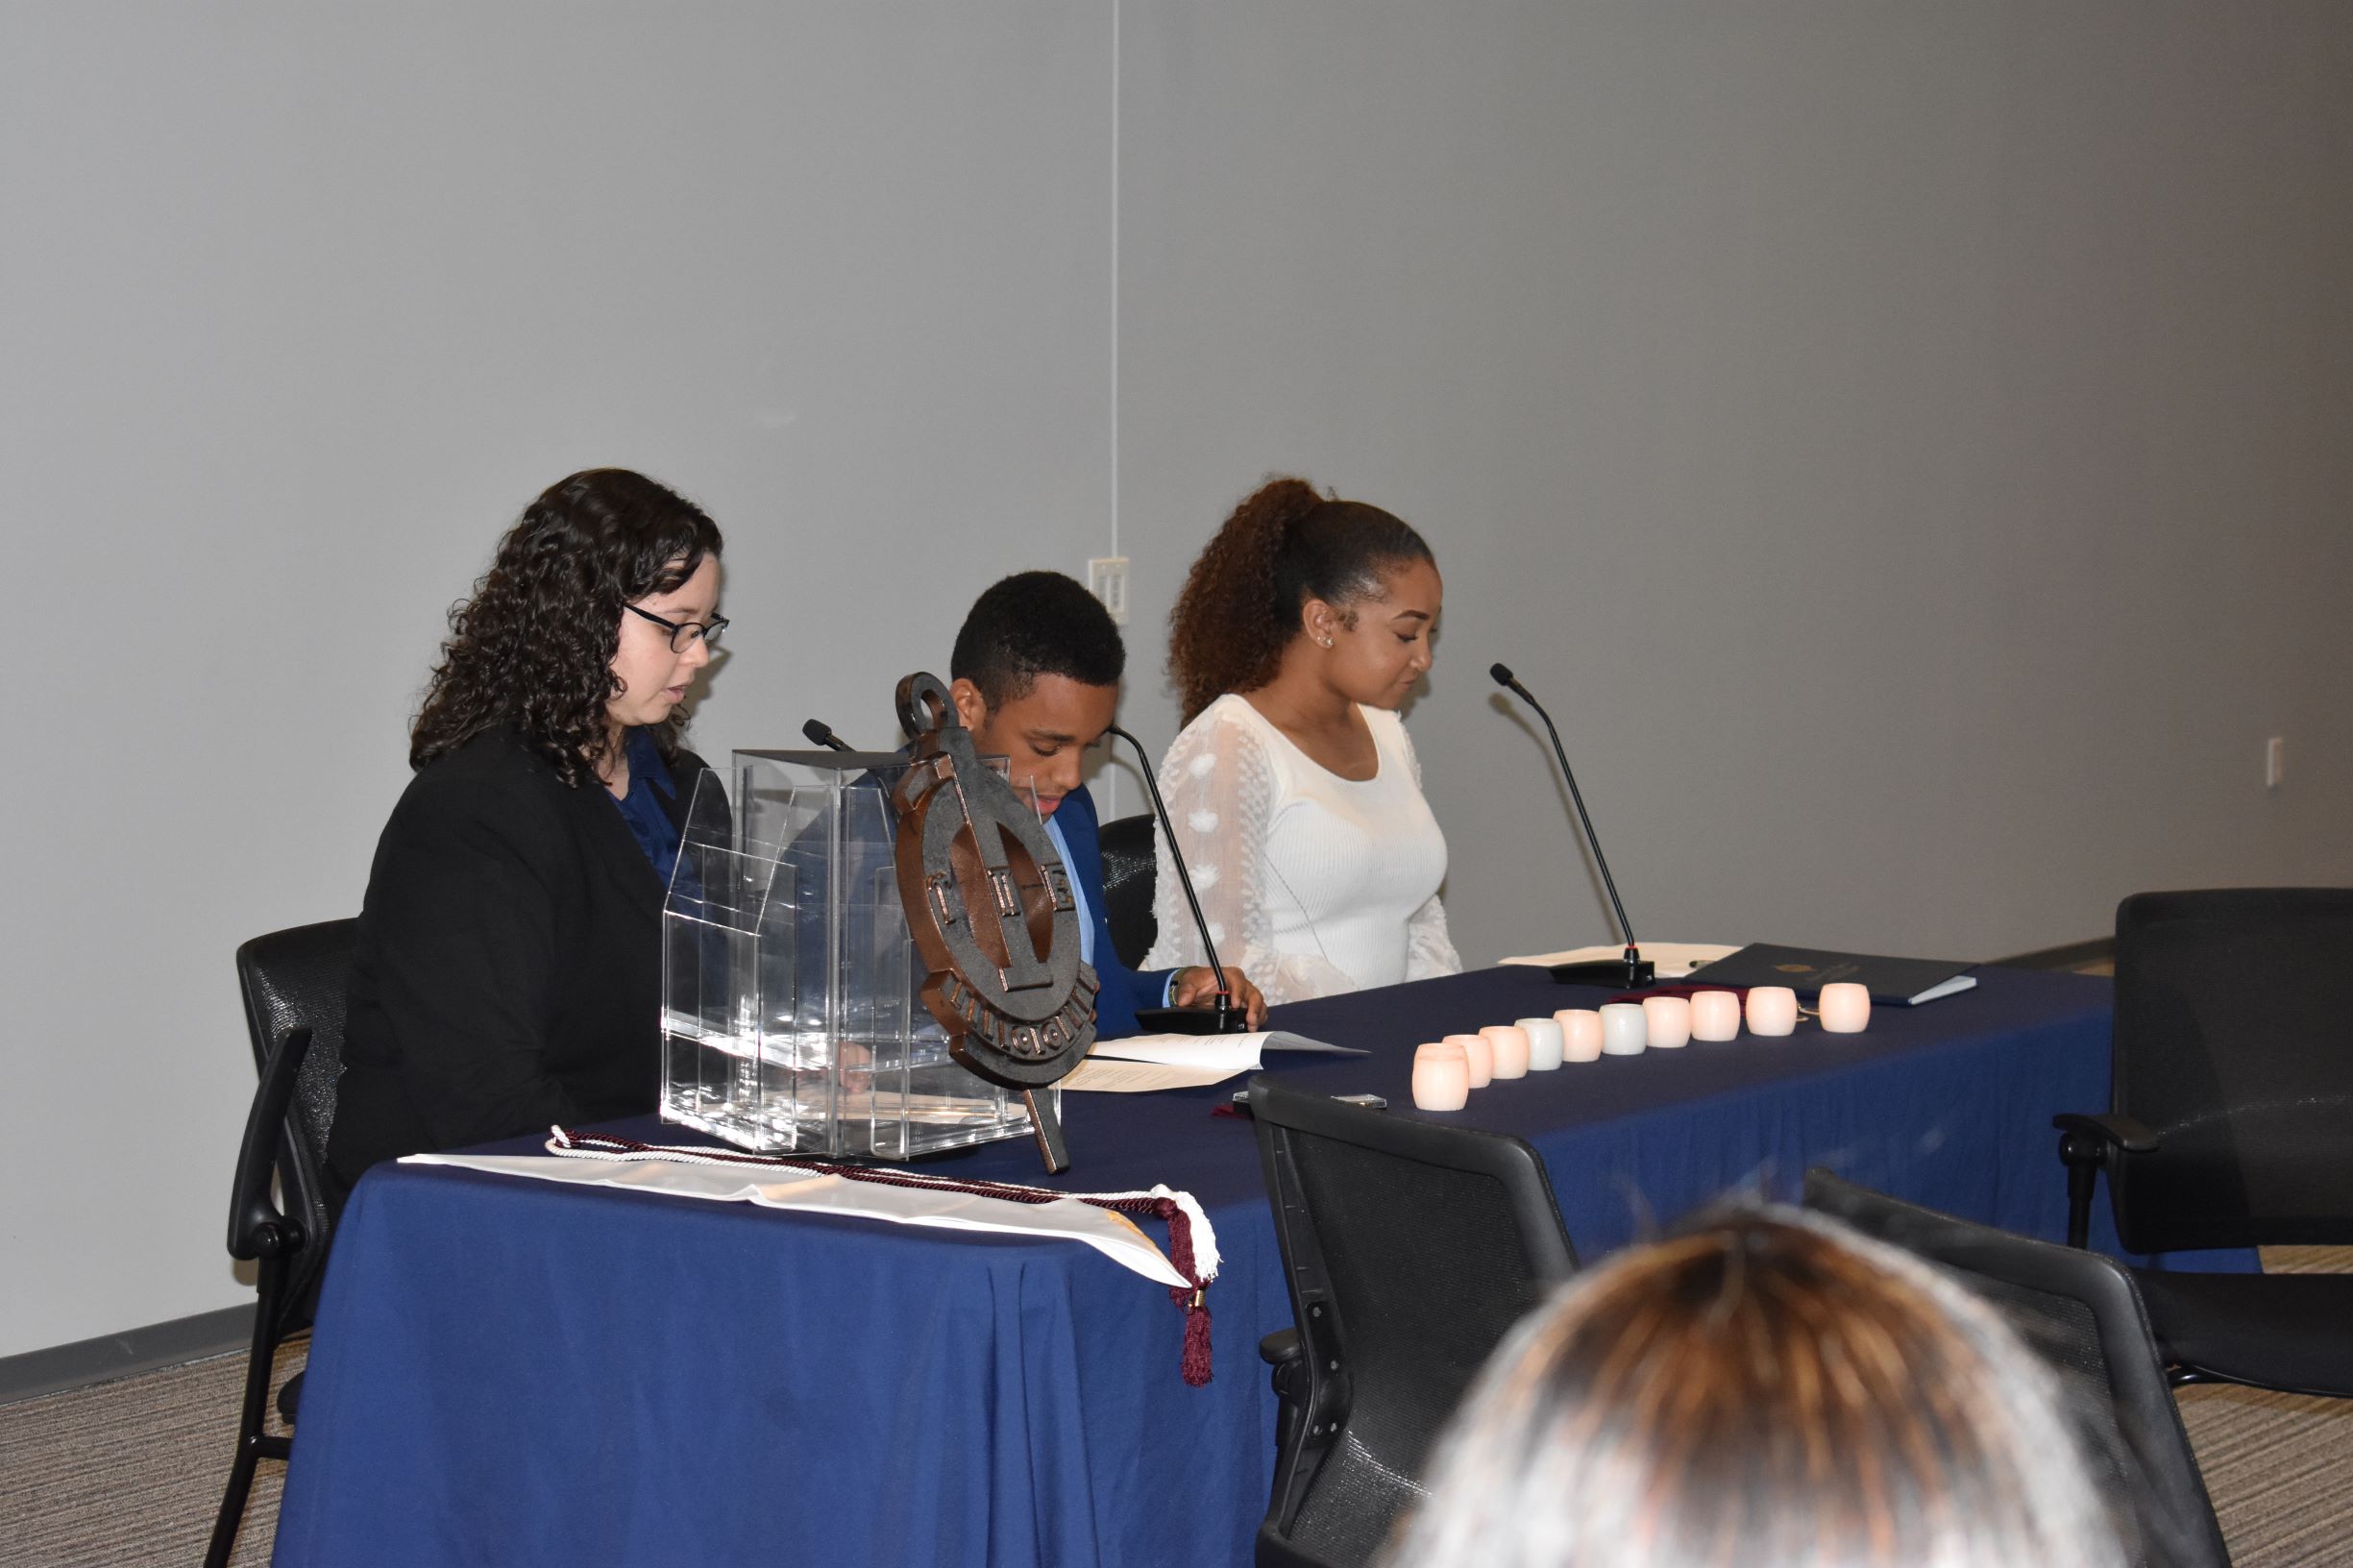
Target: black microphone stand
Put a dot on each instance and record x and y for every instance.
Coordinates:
(1224, 1018)
(1636, 972)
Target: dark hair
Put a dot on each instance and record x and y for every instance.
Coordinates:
(1036, 624)
(1767, 1389)
(1283, 546)
(534, 647)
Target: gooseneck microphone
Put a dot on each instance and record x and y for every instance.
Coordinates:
(1636, 973)
(821, 734)
(1224, 1018)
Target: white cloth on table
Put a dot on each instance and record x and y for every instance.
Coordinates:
(1312, 884)
(778, 1185)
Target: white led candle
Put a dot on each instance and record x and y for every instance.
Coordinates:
(1580, 1034)
(1625, 1029)
(1441, 1077)
(1544, 1042)
(1510, 1043)
(1481, 1055)
(1715, 1014)
(1668, 1019)
(1844, 1007)
(1773, 1009)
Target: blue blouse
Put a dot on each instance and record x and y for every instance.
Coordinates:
(648, 824)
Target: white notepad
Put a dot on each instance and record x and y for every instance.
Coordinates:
(1139, 1064)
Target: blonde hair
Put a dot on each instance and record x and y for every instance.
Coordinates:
(1767, 1389)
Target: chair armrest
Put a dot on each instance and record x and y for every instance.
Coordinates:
(2110, 1127)
(1292, 1383)
(257, 1227)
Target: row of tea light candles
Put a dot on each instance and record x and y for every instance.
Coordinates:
(1447, 1071)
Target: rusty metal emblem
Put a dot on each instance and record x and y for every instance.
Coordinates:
(990, 904)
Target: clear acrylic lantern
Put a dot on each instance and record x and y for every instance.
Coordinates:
(791, 1021)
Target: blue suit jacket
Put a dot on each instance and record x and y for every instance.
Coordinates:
(1124, 990)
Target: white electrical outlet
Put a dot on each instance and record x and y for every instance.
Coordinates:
(2274, 761)
(1107, 580)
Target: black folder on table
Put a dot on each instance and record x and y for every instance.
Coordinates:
(1894, 982)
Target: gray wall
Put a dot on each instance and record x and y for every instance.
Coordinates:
(1906, 444)
(1909, 448)
(299, 305)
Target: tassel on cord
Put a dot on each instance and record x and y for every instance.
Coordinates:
(1195, 1363)
(1191, 1299)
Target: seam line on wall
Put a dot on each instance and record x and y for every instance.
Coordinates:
(1110, 775)
(1114, 277)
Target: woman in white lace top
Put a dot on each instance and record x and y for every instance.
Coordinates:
(1295, 793)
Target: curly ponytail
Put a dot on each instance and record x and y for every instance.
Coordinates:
(1282, 545)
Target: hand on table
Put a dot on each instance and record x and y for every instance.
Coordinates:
(1197, 986)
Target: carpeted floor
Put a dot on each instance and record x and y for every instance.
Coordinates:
(2280, 1470)
(2279, 1467)
(130, 1472)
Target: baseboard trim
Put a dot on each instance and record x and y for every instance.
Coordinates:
(2066, 957)
(86, 1362)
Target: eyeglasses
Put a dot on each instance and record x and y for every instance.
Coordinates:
(682, 633)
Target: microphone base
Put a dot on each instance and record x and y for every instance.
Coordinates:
(1193, 1020)
(1614, 972)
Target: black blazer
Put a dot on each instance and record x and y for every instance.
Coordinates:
(508, 968)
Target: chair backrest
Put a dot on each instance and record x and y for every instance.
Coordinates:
(1410, 1249)
(296, 979)
(2081, 1312)
(1128, 876)
(2232, 1045)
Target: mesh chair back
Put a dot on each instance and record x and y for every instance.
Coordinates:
(2081, 1314)
(2231, 1045)
(1128, 875)
(1410, 1249)
(296, 979)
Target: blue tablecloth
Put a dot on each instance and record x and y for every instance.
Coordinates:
(515, 1372)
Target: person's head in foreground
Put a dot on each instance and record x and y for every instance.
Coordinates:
(1766, 1390)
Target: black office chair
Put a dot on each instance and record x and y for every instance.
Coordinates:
(2228, 1124)
(1128, 877)
(1410, 1249)
(293, 983)
(2080, 1313)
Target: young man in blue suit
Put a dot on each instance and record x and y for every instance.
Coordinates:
(1034, 677)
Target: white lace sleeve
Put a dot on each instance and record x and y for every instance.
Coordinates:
(1429, 949)
(1221, 787)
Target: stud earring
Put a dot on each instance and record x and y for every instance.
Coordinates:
(1326, 640)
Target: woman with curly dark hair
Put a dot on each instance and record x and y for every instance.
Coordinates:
(507, 973)
(1295, 795)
